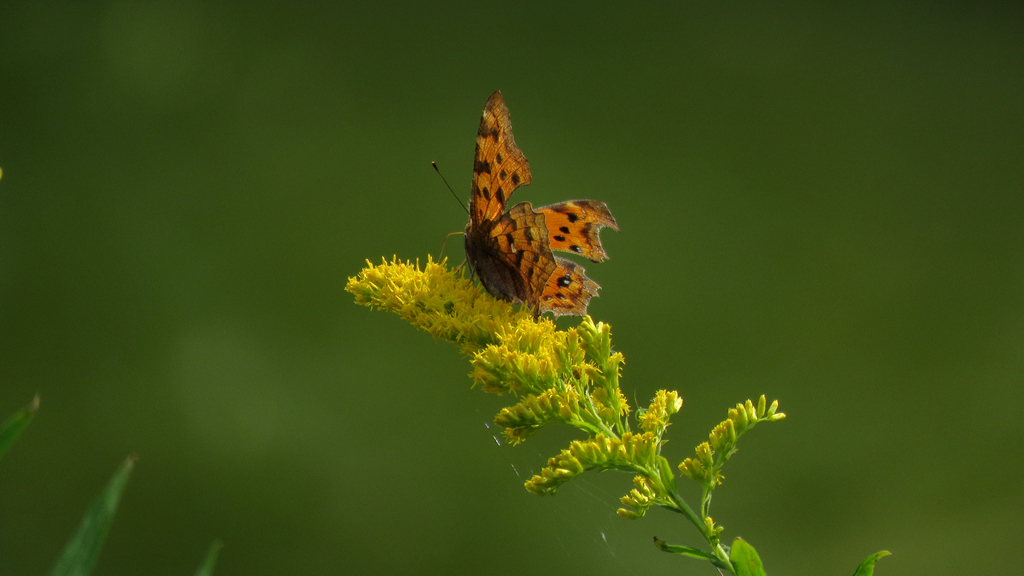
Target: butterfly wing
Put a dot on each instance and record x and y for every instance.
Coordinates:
(575, 226)
(499, 167)
(568, 290)
(522, 248)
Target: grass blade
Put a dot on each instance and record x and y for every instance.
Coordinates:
(13, 426)
(206, 569)
(81, 553)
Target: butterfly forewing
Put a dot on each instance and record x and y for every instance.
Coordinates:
(499, 167)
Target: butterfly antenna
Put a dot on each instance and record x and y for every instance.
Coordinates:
(457, 199)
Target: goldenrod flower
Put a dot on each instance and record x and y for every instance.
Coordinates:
(568, 376)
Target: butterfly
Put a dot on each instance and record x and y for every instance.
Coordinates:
(511, 251)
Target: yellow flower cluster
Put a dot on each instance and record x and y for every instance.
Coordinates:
(655, 418)
(631, 453)
(437, 300)
(640, 498)
(568, 376)
(705, 469)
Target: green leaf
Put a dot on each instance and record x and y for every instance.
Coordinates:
(687, 551)
(13, 426)
(83, 549)
(206, 569)
(867, 567)
(745, 560)
(684, 550)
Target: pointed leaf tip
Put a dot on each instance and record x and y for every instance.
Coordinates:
(83, 550)
(867, 567)
(11, 428)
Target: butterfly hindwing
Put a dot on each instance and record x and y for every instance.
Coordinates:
(568, 290)
(520, 237)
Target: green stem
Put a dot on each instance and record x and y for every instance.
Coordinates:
(591, 429)
(597, 422)
(724, 557)
(683, 508)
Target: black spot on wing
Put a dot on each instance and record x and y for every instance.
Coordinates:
(576, 249)
(564, 281)
(482, 167)
(559, 238)
(564, 229)
(515, 179)
(487, 131)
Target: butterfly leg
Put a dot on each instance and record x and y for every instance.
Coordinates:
(445, 242)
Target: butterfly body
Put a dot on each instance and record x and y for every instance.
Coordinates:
(511, 251)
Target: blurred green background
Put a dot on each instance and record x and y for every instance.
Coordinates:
(818, 202)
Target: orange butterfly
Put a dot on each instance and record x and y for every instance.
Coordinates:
(511, 252)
